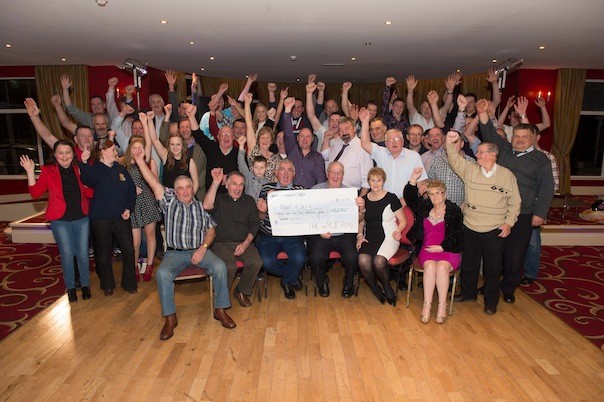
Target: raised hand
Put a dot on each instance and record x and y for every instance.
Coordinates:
(482, 106)
(272, 87)
(85, 155)
(390, 81)
(111, 135)
(310, 88)
(320, 86)
(27, 164)
(416, 174)
(232, 102)
(364, 115)
(252, 77)
(510, 102)
(457, 75)
(462, 102)
(346, 86)
(65, 81)
(31, 107)
(288, 103)
(540, 102)
(143, 117)
(150, 115)
(492, 76)
(450, 83)
(491, 109)
(112, 82)
(432, 97)
(411, 83)
(223, 87)
(138, 154)
(56, 100)
(170, 77)
(329, 135)
(521, 105)
(190, 110)
(168, 110)
(284, 93)
(217, 174)
(452, 137)
(248, 98)
(311, 78)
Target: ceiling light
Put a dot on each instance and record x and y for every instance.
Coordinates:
(494, 60)
(163, 22)
(211, 57)
(63, 59)
(353, 58)
(388, 22)
(191, 43)
(367, 43)
(297, 79)
(203, 69)
(458, 70)
(247, 76)
(541, 47)
(8, 45)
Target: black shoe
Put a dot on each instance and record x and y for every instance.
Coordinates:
(461, 298)
(86, 293)
(490, 310)
(509, 298)
(288, 290)
(347, 292)
(402, 285)
(72, 296)
(298, 285)
(391, 300)
(481, 290)
(527, 281)
(323, 290)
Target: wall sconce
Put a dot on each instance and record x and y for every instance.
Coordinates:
(549, 94)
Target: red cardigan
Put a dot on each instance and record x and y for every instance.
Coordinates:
(50, 180)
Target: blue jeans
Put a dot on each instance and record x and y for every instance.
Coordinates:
(270, 246)
(175, 262)
(533, 255)
(72, 239)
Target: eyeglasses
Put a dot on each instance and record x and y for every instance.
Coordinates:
(286, 170)
(335, 173)
(433, 193)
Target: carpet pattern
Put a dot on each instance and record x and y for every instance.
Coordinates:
(31, 279)
(571, 286)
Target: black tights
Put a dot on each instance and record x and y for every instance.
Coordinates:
(378, 265)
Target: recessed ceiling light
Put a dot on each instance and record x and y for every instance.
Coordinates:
(8, 45)
(203, 69)
(63, 59)
(458, 70)
(494, 60)
(191, 43)
(211, 57)
(297, 79)
(367, 43)
(163, 22)
(247, 76)
(388, 22)
(353, 58)
(541, 47)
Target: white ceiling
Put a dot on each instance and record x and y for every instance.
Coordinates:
(428, 38)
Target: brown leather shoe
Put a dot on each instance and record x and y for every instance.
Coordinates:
(243, 300)
(221, 315)
(168, 330)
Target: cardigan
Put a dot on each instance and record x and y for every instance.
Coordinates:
(50, 180)
(422, 207)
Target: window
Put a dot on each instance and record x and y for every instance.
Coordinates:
(587, 155)
(17, 134)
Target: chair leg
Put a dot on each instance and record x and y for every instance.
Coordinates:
(453, 292)
(211, 289)
(410, 278)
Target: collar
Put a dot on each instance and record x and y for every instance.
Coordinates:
(490, 173)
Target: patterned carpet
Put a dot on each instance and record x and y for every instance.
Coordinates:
(571, 286)
(30, 280)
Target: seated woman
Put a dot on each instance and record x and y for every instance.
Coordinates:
(384, 222)
(259, 144)
(114, 199)
(67, 211)
(437, 233)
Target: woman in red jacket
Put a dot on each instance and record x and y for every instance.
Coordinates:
(67, 212)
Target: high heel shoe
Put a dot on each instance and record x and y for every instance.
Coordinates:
(148, 273)
(441, 319)
(425, 318)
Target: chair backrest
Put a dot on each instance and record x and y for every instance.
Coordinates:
(410, 221)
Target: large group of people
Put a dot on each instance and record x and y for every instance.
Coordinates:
(479, 189)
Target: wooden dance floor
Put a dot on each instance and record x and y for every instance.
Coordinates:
(308, 349)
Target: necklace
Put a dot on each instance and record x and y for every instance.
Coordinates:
(436, 216)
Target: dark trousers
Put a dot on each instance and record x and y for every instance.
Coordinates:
(514, 253)
(319, 249)
(103, 231)
(488, 246)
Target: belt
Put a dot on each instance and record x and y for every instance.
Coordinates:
(179, 249)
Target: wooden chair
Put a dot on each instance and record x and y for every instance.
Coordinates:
(260, 281)
(192, 273)
(415, 269)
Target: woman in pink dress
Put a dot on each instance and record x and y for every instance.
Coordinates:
(437, 233)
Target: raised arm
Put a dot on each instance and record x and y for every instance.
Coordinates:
(235, 105)
(272, 88)
(250, 134)
(191, 112)
(345, 99)
(545, 121)
(365, 138)
(390, 81)
(450, 84)
(150, 178)
(194, 175)
(41, 129)
(310, 107)
(149, 130)
(505, 111)
(288, 131)
(320, 93)
(66, 84)
(65, 121)
(493, 78)
(282, 95)
(433, 102)
(520, 107)
(411, 84)
(112, 110)
(248, 84)
(209, 201)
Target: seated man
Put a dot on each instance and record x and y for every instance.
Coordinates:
(189, 234)
(319, 246)
(238, 222)
(269, 246)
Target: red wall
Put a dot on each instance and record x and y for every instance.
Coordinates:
(17, 71)
(99, 75)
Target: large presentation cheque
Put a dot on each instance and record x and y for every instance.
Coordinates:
(308, 212)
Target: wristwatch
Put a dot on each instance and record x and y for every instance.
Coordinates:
(205, 245)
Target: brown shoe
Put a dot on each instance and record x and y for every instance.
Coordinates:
(243, 300)
(221, 315)
(168, 330)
